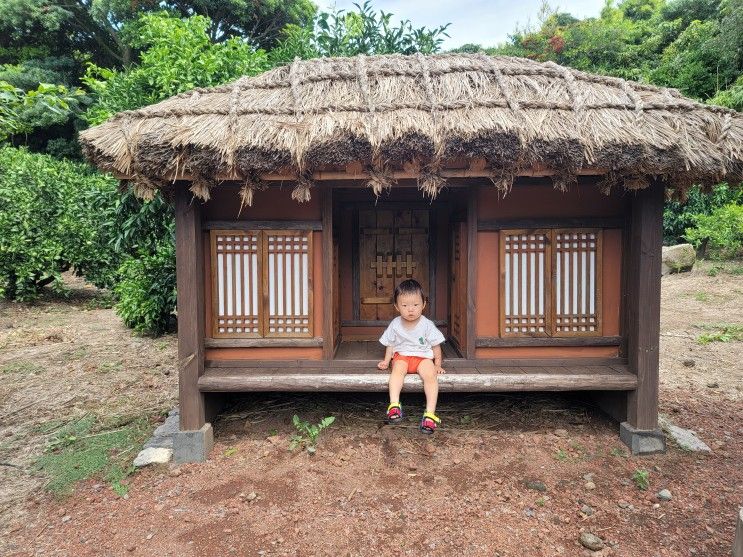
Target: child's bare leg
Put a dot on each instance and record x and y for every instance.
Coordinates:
(397, 377)
(430, 384)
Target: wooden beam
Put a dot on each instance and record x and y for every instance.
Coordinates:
(263, 225)
(643, 305)
(453, 363)
(493, 342)
(571, 222)
(352, 174)
(263, 342)
(471, 271)
(190, 287)
(470, 380)
(327, 273)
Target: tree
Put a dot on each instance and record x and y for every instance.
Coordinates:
(341, 33)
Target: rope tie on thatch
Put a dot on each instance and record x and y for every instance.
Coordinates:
(301, 191)
(570, 84)
(430, 181)
(379, 178)
(638, 105)
(727, 124)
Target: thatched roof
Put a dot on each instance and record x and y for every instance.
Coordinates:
(421, 111)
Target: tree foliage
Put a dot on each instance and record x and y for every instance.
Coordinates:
(364, 31)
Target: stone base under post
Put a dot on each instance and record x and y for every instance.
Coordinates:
(738, 543)
(193, 445)
(642, 441)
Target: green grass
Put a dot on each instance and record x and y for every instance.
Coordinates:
(83, 449)
(723, 332)
(28, 368)
(701, 297)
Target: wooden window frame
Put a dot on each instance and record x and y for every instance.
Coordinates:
(549, 287)
(262, 299)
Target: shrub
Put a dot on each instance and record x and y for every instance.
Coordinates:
(677, 217)
(721, 233)
(146, 291)
(51, 220)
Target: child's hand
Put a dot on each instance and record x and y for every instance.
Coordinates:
(439, 370)
(384, 364)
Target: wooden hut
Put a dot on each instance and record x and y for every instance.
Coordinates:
(526, 197)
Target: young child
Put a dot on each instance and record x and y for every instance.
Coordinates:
(414, 346)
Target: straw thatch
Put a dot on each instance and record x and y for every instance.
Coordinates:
(420, 111)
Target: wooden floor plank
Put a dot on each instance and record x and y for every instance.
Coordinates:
(465, 379)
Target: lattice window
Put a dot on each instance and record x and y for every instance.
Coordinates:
(550, 282)
(236, 280)
(261, 283)
(577, 280)
(289, 292)
(525, 301)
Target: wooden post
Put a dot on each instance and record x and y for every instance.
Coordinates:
(642, 304)
(189, 254)
(327, 273)
(471, 270)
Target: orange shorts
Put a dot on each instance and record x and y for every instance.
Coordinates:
(413, 361)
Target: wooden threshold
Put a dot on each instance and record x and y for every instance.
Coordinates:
(480, 378)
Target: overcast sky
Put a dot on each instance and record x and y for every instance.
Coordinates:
(472, 21)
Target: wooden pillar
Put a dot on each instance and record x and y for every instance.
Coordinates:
(189, 254)
(642, 304)
(328, 335)
(471, 270)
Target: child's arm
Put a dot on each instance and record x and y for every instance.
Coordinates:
(384, 364)
(437, 359)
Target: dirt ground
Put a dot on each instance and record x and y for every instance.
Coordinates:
(507, 475)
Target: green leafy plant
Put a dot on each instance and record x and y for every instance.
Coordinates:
(641, 479)
(720, 333)
(307, 433)
(720, 233)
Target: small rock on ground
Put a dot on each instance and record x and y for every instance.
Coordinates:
(664, 495)
(153, 456)
(591, 541)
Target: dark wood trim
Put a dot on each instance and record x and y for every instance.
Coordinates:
(432, 259)
(355, 267)
(327, 272)
(643, 305)
(489, 225)
(263, 225)
(471, 270)
(454, 363)
(625, 280)
(496, 379)
(263, 342)
(496, 342)
(371, 323)
(191, 311)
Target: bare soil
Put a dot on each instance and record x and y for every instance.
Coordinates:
(373, 489)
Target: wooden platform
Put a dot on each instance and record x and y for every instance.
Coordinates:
(462, 376)
(370, 350)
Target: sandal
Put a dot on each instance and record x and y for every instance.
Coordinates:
(394, 413)
(429, 423)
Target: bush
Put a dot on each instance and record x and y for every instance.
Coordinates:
(147, 292)
(51, 220)
(721, 233)
(677, 217)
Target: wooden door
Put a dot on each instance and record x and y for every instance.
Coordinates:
(393, 246)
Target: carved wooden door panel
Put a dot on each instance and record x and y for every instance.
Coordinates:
(393, 246)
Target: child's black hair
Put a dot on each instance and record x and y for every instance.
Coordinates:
(409, 286)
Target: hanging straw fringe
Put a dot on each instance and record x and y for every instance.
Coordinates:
(301, 191)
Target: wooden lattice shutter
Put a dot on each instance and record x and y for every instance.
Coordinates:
(236, 277)
(525, 285)
(288, 283)
(577, 281)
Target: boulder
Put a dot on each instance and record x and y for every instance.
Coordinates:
(678, 259)
(153, 455)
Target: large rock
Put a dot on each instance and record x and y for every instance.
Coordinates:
(685, 438)
(678, 259)
(153, 455)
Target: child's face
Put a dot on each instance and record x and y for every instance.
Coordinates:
(410, 306)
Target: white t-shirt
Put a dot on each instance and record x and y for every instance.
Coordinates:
(412, 342)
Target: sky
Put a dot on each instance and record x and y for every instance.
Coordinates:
(472, 21)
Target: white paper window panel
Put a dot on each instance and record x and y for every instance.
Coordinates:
(237, 284)
(575, 267)
(288, 284)
(525, 283)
